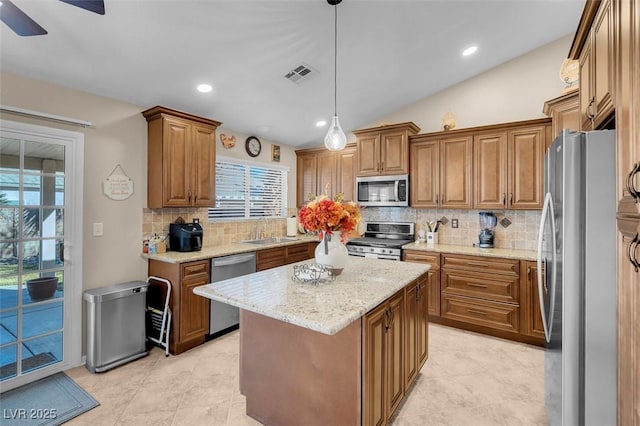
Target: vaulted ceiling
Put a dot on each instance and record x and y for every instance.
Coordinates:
(390, 54)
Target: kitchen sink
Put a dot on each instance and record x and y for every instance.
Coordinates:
(272, 240)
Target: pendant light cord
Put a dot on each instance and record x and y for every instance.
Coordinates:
(335, 59)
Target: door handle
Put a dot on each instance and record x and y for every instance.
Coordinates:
(547, 211)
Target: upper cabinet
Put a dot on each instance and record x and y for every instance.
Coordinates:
(497, 167)
(564, 112)
(595, 51)
(320, 171)
(441, 171)
(384, 150)
(509, 167)
(180, 159)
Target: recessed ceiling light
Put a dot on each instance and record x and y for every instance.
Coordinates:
(469, 50)
(321, 123)
(204, 88)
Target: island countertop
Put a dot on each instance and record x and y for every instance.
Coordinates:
(328, 307)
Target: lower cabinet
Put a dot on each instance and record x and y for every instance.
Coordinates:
(416, 299)
(433, 276)
(279, 256)
(190, 313)
(490, 295)
(530, 316)
(383, 350)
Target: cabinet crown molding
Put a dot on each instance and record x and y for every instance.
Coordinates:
(157, 112)
(408, 125)
(491, 127)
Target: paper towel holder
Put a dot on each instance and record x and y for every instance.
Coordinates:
(292, 226)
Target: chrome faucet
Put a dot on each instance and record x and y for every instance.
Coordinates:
(259, 233)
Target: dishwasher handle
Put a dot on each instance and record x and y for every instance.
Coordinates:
(233, 260)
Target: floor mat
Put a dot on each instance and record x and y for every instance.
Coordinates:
(49, 401)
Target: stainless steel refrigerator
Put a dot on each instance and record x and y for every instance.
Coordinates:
(577, 279)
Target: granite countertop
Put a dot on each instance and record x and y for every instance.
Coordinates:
(474, 251)
(328, 307)
(209, 252)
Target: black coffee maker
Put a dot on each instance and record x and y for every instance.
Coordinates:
(488, 222)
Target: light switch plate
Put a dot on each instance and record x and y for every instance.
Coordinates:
(98, 229)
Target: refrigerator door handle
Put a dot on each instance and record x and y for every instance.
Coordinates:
(547, 210)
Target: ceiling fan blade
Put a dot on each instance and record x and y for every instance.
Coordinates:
(19, 21)
(95, 6)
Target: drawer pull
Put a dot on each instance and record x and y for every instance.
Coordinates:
(481, 264)
(475, 311)
(477, 285)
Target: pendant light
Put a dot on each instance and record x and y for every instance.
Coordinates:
(335, 139)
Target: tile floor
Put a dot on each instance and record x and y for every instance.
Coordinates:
(469, 379)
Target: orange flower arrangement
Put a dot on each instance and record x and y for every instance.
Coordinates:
(324, 215)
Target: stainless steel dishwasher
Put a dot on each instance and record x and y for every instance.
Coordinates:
(223, 316)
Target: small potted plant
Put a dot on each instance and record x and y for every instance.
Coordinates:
(42, 288)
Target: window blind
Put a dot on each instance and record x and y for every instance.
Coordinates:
(245, 191)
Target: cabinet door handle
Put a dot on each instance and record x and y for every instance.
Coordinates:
(390, 318)
(631, 187)
(590, 115)
(477, 285)
(382, 166)
(631, 248)
(437, 199)
(504, 199)
(510, 199)
(387, 315)
(189, 196)
(481, 264)
(418, 293)
(475, 311)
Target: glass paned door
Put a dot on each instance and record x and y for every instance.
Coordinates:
(32, 267)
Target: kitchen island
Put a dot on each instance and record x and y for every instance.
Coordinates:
(339, 352)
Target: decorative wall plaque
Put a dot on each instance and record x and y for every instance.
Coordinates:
(118, 186)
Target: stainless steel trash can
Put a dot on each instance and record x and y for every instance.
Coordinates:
(115, 325)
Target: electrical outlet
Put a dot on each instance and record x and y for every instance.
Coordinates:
(454, 223)
(98, 229)
(195, 220)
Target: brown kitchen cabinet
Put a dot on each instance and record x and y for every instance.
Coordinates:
(481, 294)
(180, 159)
(597, 69)
(530, 316)
(509, 167)
(190, 313)
(433, 276)
(441, 171)
(416, 329)
(564, 112)
(384, 150)
(383, 363)
(320, 171)
(279, 256)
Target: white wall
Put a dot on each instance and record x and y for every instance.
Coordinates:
(118, 136)
(513, 91)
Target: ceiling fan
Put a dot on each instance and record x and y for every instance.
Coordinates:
(23, 25)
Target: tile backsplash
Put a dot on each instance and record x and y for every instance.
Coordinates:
(521, 234)
(156, 221)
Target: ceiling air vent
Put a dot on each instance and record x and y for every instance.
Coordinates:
(300, 73)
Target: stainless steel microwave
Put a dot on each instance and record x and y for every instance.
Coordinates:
(383, 191)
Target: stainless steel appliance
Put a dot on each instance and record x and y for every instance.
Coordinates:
(223, 316)
(115, 325)
(382, 240)
(185, 236)
(383, 191)
(577, 279)
(488, 223)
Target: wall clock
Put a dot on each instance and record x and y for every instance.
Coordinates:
(253, 146)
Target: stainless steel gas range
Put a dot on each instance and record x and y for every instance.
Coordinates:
(382, 240)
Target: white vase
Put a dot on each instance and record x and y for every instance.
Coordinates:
(331, 252)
